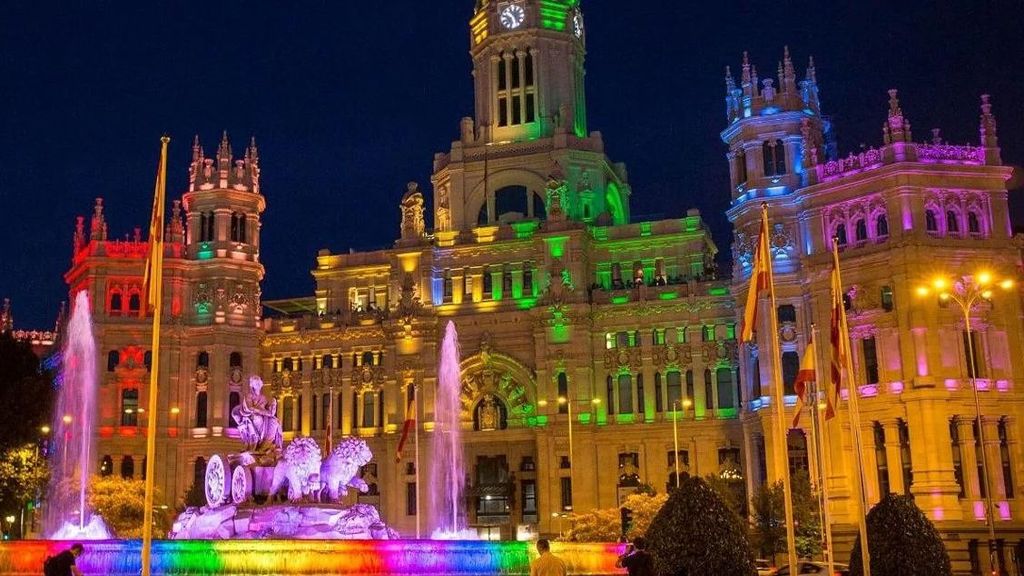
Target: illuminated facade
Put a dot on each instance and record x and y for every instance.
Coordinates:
(558, 294)
(903, 213)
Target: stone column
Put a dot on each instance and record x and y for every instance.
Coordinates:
(968, 457)
(870, 463)
(994, 470)
(934, 485)
(893, 456)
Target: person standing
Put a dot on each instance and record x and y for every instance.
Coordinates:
(637, 560)
(63, 564)
(547, 564)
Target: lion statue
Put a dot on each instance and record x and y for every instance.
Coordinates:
(300, 468)
(340, 470)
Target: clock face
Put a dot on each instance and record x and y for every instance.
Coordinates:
(512, 16)
(577, 25)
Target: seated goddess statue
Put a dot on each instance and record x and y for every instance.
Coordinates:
(258, 426)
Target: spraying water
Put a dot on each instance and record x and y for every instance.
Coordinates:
(67, 514)
(448, 476)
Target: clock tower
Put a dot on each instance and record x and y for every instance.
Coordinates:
(527, 153)
(528, 68)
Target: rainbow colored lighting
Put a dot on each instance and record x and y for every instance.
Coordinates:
(181, 557)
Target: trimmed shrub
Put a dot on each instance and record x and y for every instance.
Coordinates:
(902, 542)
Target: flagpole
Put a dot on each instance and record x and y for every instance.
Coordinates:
(778, 401)
(155, 273)
(854, 407)
(818, 432)
(416, 448)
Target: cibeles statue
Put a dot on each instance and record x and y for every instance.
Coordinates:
(258, 427)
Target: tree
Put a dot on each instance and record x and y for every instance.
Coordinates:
(645, 506)
(695, 533)
(195, 496)
(601, 525)
(121, 504)
(25, 390)
(902, 541)
(731, 488)
(768, 529)
(23, 477)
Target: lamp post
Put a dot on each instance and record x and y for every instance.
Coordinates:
(675, 433)
(568, 402)
(967, 292)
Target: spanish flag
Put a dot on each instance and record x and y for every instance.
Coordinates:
(839, 341)
(806, 375)
(155, 259)
(410, 421)
(760, 279)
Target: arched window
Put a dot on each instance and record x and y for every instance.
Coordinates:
(288, 365)
(369, 410)
(147, 360)
(563, 392)
(952, 222)
(726, 390)
(690, 388)
(973, 223)
(203, 360)
(238, 227)
(625, 393)
(659, 403)
(116, 303)
(288, 414)
(841, 234)
(234, 400)
(367, 359)
(113, 359)
(328, 361)
(709, 393)
(774, 153)
(206, 227)
(488, 283)
(931, 224)
(201, 410)
(882, 226)
(235, 360)
(513, 203)
(490, 414)
(674, 390)
(106, 466)
(134, 302)
(861, 230)
(790, 368)
(130, 407)
(127, 467)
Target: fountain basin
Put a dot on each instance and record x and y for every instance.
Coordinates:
(310, 557)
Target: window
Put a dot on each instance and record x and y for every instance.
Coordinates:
(113, 359)
(130, 407)
(905, 459)
(234, 400)
(796, 443)
(982, 479)
(787, 313)
(973, 223)
(790, 368)
(237, 227)
(774, 152)
(134, 302)
(708, 333)
(1004, 457)
(882, 226)
(527, 282)
(973, 355)
(952, 222)
(755, 370)
(610, 393)
(288, 414)
(201, 410)
(840, 235)
(203, 360)
(621, 339)
(106, 466)
(640, 394)
(447, 287)
(325, 411)
(881, 460)
(128, 467)
(659, 405)
(689, 387)
(368, 410)
(488, 283)
(529, 497)
(410, 498)
(625, 391)
(741, 167)
(723, 376)
(235, 360)
(931, 224)
(116, 303)
(566, 491)
(861, 230)
(888, 299)
(674, 385)
(958, 464)
(709, 393)
(563, 392)
(870, 360)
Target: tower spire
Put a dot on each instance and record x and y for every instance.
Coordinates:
(987, 131)
(897, 128)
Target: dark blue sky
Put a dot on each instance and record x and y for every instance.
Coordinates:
(350, 100)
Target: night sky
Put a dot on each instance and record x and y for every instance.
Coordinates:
(349, 100)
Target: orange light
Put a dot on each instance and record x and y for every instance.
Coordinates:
(923, 291)
(939, 283)
(562, 400)
(66, 419)
(984, 278)
(687, 403)
(175, 410)
(45, 429)
(542, 403)
(1006, 284)
(986, 294)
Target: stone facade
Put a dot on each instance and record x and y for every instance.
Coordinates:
(558, 295)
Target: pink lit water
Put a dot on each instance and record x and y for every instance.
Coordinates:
(448, 476)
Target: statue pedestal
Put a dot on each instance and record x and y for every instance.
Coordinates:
(282, 522)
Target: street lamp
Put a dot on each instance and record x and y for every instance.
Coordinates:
(967, 292)
(675, 433)
(567, 402)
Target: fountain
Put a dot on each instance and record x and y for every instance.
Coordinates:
(67, 511)
(448, 474)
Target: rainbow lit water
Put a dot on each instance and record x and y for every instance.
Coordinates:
(311, 558)
(67, 514)
(448, 476)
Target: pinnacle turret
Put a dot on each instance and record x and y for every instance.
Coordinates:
(226, 171)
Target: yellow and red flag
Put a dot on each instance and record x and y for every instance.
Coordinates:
(154, 260)
(805, 376)
(410, 422)
(838, 343)
(760, 280)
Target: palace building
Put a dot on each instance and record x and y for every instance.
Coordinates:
(599, 353)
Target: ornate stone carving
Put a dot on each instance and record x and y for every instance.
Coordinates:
(413, 225)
